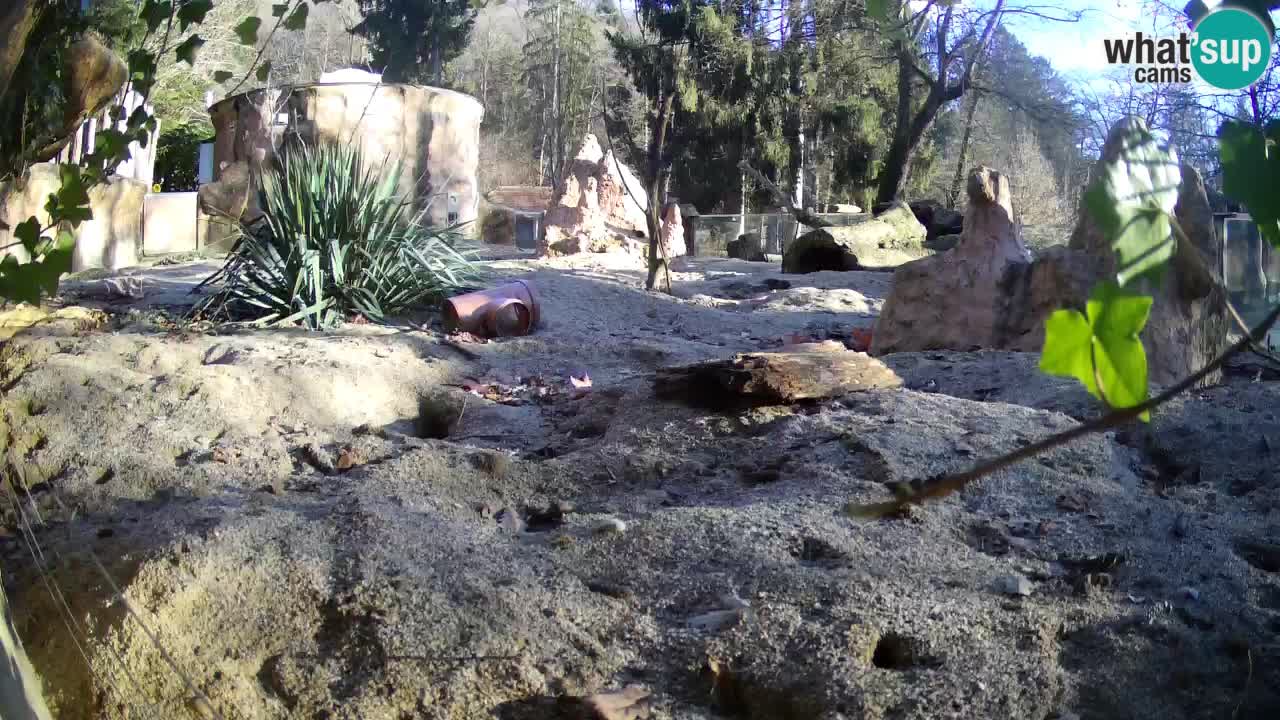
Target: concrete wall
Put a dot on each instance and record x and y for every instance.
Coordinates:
(112, 239)
(434, 133)
(172, 223)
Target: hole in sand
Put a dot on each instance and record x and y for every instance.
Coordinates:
(894, 652)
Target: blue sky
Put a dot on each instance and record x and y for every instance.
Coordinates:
(1075, 49)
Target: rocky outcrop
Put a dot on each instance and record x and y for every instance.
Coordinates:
(746, 247)
(936, 219)
(888, 239)
(959, 299)
(1188, 323)
(672, 229)
(433, 133)
(599, 206)
(988, 293)
(111, 239)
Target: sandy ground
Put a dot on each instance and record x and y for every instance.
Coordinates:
(301, 545)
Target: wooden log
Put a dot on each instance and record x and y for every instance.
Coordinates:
(774, 378)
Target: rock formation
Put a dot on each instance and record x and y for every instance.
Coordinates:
(1188, 323)
(599, 206)
(958, 300)
(988, 293)
(888, 239)
(112, 239)
(672, 230)
(433, 133)
(746, 247)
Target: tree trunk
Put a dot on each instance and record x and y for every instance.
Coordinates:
(557, 112)
(657, 198)
(957, 180)
(17, 20)
(893, 177)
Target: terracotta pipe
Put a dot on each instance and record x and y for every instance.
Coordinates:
(506, 310)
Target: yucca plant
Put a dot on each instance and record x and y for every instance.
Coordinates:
(335, 240)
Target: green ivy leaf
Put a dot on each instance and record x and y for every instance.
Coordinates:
(247, 30)
(1102, 345)
(186, 52)
(155, 13)
(1132, 202)
(192, 12)
(264, 72)
(1251, 172)
(279, 10)
(142, 70)
(71, 202)
(28, 233)
(297, 19)
(221, 76)
(27, 282)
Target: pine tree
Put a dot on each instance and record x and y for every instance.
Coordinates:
(411, 40)
(562, 75)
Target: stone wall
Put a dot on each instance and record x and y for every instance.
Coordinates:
(112, 239)
(434, 133)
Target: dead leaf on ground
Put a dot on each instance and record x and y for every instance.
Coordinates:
(580, 383)
(224, 455)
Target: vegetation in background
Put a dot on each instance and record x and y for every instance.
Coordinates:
(335, 240)
(178, 157)
(411, 40)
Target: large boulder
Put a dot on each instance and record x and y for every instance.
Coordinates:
(746, 247)
(432, 133)
(958, 300)
(988, 293)
(936, 219)
(1188, 323)
(888, 239)
(672, 232)
(112, 239)
(599, 206)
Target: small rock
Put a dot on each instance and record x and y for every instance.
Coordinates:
(632, 703)
(1013, 585)
(716, 620)
(348, 458)
(493, 462)
(1181, 526)
(317, 458)
(510, 520)
(609, 526)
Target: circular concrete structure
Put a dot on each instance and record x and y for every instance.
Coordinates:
(434, 133)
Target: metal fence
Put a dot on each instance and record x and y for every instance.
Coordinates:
(712, 233)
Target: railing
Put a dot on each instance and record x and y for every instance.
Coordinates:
(713, 233)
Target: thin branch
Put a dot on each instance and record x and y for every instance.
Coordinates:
(917, 491)
(804, 217)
